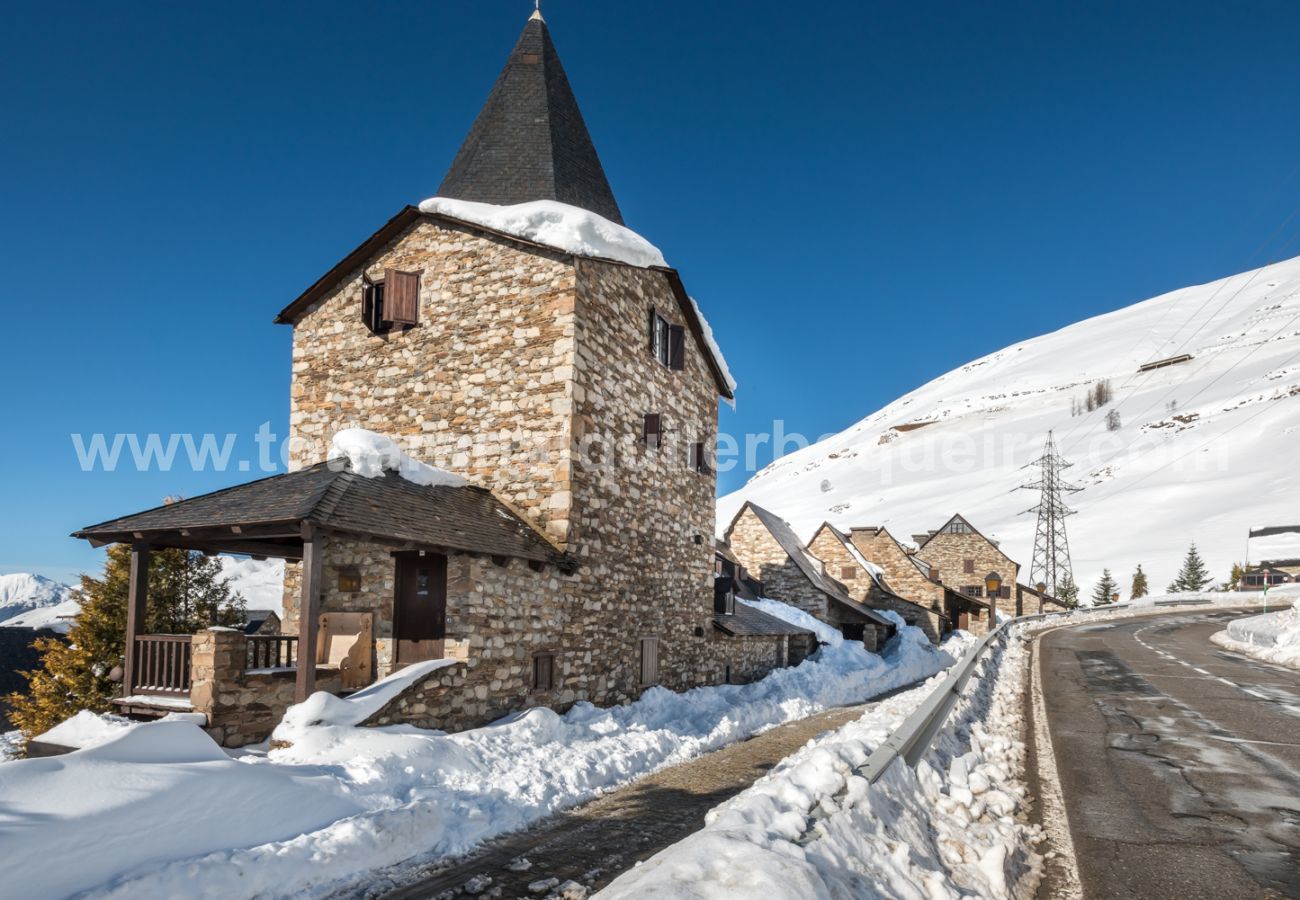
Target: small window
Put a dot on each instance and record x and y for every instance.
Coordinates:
(974, 590)
(543, 671)
(652, 430)
(649, 661)
(349, 580)
(724, 595)
(667, 341)
(372, 307)
(697, 459)
(968, 566)
(848, 573)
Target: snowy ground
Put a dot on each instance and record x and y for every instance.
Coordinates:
(1273, 637)
(158, 810)
(11, 743)
(952, 827)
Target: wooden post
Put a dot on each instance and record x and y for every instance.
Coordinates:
(308, 614)
(137, 605)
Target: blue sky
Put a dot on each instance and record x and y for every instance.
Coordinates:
(861, 196)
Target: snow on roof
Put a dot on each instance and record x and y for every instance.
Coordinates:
(559, 225)
(712, 344)
(371, 454)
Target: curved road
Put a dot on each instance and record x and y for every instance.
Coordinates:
(1179, 762)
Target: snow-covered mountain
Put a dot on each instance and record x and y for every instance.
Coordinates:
(1199, 450)
(33, 601)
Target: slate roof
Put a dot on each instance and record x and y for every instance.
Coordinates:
(876, 575)
(529, 141)
(811, 567)
(751, 622)
(332, 497)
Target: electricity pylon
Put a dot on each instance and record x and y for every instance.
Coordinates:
(1051, 566)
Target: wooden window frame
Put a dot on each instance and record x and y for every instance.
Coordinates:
(544, 660)
(667, 341)
(697, 459)
(652, 430)
(372, 306)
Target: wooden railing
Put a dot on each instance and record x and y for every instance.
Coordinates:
(272, 651)
(162, 664)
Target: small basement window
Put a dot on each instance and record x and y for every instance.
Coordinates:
(543, 671)
(848, 573)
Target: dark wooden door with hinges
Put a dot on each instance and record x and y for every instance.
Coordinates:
(420, 607)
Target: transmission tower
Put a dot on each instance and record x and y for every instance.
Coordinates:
(1051, 566)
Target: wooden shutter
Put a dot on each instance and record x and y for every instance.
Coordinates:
(651, 429)
(649, 660)
(401, 297)
(543, 672)
(676, 347)
(696, 459)
(653, 330)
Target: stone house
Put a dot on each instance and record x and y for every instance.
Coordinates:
(575, 395)
(768, 548)
(866, 582)
(964, 559)
(916, 580)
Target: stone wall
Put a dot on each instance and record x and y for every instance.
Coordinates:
(765, 559)
(901, 574)
(954, 554)
(482, 386)
(643, 519)
(241, 708)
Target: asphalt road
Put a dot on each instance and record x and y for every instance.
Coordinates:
(1179, 762)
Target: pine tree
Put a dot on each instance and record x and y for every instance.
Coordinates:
(1193, 576)
(1068, 592)
(1104, 593)
(1234, 578)
(186, 594)
(1139, 587)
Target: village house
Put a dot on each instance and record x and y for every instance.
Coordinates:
(961, 557)
(1278, 547)
(768, 548)
(866, 582)
(917, 581)
(563, 549)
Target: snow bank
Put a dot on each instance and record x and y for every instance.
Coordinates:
(11, 744)
(88, 729)
(568, 228)
(944, 830)
(371, 455)
(428, 795)
(156, 792)
(1273, 637)
(324, 708)
(1218, 598)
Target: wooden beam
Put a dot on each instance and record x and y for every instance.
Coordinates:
(137, 606)
(308, 614)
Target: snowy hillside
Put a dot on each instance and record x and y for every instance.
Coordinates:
(33, 601)
(1204, 449)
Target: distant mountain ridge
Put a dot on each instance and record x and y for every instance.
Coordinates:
(1202, 448)
(33, 601)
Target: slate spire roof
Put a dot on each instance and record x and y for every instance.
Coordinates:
(529, 141)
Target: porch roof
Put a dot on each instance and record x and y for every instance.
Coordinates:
(750, 622)
(267, 517)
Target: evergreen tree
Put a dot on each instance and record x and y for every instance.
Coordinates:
(1139, 587)
(1104, 593)
(1234, 578)
(186, 595)
(1068, 592)
(1193, 576)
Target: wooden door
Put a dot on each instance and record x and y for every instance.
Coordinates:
(963, 621)
(420, 607)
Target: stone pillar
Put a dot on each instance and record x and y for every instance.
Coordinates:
(217, 663)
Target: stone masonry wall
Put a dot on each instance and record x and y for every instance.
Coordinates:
(241, 708)
(482, 386)
(860, 586)
(903, 577)
(950, 553)
(642, 518)
(767, 561)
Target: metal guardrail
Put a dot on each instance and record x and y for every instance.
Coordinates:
(911, 739)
